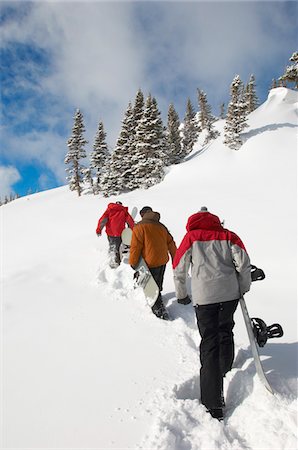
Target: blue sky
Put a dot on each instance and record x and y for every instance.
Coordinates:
(59, 56)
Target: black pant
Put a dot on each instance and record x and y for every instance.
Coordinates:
(158, 275)
(114, 247)
(215, 323)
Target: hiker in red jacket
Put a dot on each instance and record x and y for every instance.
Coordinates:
(114, 219)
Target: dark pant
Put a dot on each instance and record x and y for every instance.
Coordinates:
(158, 275)
(114, 247)
(215, 323)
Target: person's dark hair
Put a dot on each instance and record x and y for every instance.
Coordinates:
(145, 209)
(118, 203)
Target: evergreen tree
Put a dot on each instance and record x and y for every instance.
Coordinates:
(236, 115)
(138, 111)
(88, 180)
(75, 153)
(291, 72)
(147, 162)
(118, 177)
(99, 156)
(161, 143)
(175, 152)
(273, 84)
(251, 96)
(206, 119)
(138, 108)
(191, 129)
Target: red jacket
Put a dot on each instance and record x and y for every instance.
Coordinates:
(114, 219)
(220, 265)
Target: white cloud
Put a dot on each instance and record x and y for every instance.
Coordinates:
(46, 149)
(208, 43)
(8, 177)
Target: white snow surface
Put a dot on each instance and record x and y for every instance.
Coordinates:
(85, 363)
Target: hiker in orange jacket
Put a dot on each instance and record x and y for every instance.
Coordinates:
(152, 240)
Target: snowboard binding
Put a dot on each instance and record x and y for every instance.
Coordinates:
(261, 331)
(256, 273)
(141, 277)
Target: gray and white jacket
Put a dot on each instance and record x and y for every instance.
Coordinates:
(220, 265)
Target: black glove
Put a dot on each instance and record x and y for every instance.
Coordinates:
(136, 275)
(184, 301)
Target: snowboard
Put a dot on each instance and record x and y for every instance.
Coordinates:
(258, 332)
(254, 347)
(142, 277)
(124, 249)
(134, 212)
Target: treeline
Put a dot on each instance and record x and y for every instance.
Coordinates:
(146, 147)
(8, 198)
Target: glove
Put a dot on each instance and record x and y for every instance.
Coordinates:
(136, 275)
(184, 301)
(98, 234)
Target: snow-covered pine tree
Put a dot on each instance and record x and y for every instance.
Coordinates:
(137, 114)
(175, 151)
(191, 128)
(161, 146)
(251, 95)
(206, 119)
(147, 161)
(76, 152)
(291, 72)
(273, 84)
(118, 177)
(88, 180)
(138, 108)
(236, 115)
(99, 158)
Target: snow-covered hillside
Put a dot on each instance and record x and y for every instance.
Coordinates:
(85, 364)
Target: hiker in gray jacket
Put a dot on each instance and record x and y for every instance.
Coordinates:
(220, 275)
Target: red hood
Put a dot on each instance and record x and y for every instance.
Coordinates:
(116, 207)
(203, 221)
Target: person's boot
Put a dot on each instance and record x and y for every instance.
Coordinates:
(159, 310)
(216, 413)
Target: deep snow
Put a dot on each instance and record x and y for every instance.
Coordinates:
(85, 364)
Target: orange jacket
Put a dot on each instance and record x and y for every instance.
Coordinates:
(151, 240)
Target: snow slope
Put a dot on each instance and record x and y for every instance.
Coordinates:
(85, 364)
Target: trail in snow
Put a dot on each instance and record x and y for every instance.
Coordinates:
(181, 421)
